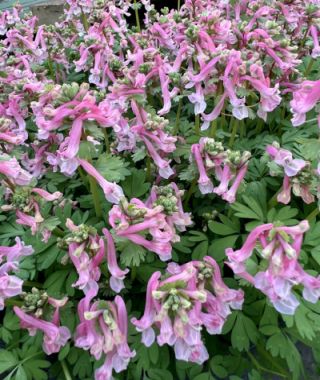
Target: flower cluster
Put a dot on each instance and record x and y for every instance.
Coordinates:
(226, 165)
(189, 298)
(103, 330)
(11, 285)
(297, 175)
(106, 129)
(160, 217)
(279, 270)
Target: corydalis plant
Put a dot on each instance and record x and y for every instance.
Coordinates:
(226, 165)
(103, 330)
(278, 270)
(298, 175)
(183, 302)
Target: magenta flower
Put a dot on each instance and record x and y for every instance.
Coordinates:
(304, 100)
(11, 285)
(178, 307)
(112, 191)
(227, 166)
(280, 246)
(135, 220)
(11, 169)
(117, 274)
(55, 336)
(297, 175)
(103, 330)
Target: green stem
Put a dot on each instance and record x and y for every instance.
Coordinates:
(177, 124)
(95, 196)
(58, 232)
(133, 273)
(65, 370)
(106, 139)
(84, 20)
(149, 179)
(189, 193)
(32, 284)
(313, 214)
(309, 67)
(136, 11)
(51, 70)
(260, 368)
(197, 125)
(234, 131)
(12, 302)
(213, 129)
(273, 201)
(263, 352)
(179, 5)
(259, 126)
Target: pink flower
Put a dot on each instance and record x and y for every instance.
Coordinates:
(135, 220)
(10, 286)
(191, 296)
(112, 191)
(11, 168)
(304, 100)
(226, 166)
(281, 248)
(283, 157)
(205, 184)
(298, 175)
(117, 274)
(103, 330)
(55, 336)
(316, 48)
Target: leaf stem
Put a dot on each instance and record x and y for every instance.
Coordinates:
(213, 129)
(177, 124)
(65, 370)
(234, 131)
(309, 67)
(179, 5)
(84, 20)
(197, 125)
(190, 192)
(95, 196)
(106, 139)
(136, 11)
(149, 179)
(260, 368)
(313, 214)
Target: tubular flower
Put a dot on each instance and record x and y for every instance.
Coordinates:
(55, 336)
(227, 167)
(136, 222)
(191, 297)
(103, 330)
(297, 175)
(278, 248)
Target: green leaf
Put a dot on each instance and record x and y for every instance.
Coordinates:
(7, 361)
(112, 168)
(252, 209)
(200, 251)
(159, 374)
(135, 185)
(204, 376)
(244, 331)
(216, 365)
(218, 247)
(48, 257)
(222, 229)
(131, 255)
(154, 353)
(55, 282)
(21, 374)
